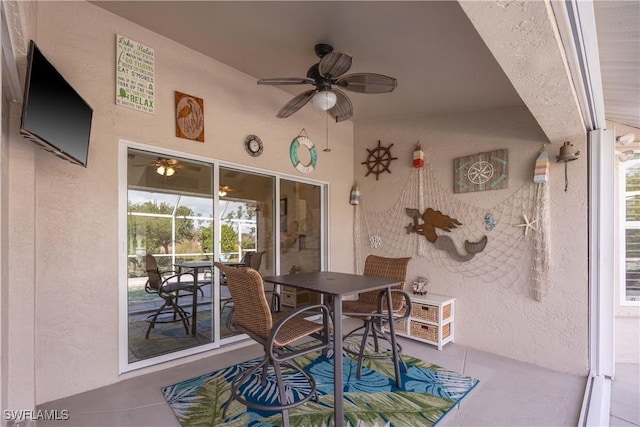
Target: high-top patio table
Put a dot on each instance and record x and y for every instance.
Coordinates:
(196, 267)
(338, 286)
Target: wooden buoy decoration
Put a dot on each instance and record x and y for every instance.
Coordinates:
(354, 198)
(541, 172)
(418, 157)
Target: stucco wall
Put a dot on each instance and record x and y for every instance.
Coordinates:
(499, 316)
(64, 218)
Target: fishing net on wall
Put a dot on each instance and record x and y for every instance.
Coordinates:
(511, 257)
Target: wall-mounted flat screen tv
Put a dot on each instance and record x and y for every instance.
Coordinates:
(54, 115)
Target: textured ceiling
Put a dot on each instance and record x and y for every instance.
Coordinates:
(431, 47)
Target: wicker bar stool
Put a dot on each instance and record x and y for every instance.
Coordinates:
(278, 334)
(371, 308)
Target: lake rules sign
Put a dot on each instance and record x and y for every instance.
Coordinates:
(135, 75)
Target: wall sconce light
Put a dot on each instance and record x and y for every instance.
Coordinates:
(566, 156)
(626, 139)
(625, 155)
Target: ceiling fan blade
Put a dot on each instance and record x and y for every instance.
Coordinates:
(367, 83)
(286, 81)
(189, 167)
(296, 103)
(334, 64)
(343, 110)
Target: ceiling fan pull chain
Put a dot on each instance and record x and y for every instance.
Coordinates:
(327, 149)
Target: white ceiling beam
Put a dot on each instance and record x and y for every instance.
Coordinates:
(577, 27)
(524, 39)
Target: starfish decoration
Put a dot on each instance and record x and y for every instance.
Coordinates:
(528, 225)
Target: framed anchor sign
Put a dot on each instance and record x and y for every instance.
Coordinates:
(481, 172)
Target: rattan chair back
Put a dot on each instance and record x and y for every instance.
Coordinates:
(251, 309)
(256, 260)
(389, 268)
(153, 273)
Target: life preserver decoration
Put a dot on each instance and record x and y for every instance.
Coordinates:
(293, 154)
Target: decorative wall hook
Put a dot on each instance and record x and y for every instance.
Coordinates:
(566, 156)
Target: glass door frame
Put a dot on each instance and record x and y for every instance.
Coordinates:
(218, 344)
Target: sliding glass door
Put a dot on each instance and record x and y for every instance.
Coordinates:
(183, 213)
(169, 218)
(247, 218)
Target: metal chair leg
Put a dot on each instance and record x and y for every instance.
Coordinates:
(283, 394)
(152, 323)
(365, 335)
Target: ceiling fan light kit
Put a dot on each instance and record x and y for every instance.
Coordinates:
(165, 171)
(324, 100)
(327, 77)
(168, 167)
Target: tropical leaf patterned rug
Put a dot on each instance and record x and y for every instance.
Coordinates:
(428, 392)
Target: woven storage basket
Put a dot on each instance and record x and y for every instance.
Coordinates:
(400, 326)
(424, 311)
(429, 312)
(446, 312)
(429, 332)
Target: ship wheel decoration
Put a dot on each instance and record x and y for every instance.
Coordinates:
(378, 160)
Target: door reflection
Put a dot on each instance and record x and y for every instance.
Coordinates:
(170, 219)
(300, 237)
(246, 219)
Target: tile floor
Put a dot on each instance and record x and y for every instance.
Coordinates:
(510, 393)
(625, 396)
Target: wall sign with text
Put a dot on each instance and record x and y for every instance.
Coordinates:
(135, 75)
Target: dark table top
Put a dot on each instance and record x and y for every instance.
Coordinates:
(332, 283)
(196, 264)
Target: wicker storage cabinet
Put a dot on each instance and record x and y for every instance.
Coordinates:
(294, 298)
(431, 321)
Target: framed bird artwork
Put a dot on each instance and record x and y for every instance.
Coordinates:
(189, 117)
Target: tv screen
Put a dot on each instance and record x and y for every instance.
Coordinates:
(54, 115)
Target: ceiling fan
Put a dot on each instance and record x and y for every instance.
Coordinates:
(168, 167)
(327, 77)
(224, 190)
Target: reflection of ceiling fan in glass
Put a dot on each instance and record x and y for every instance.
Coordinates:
(168, 167)
(327, 77)
(224, 190)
